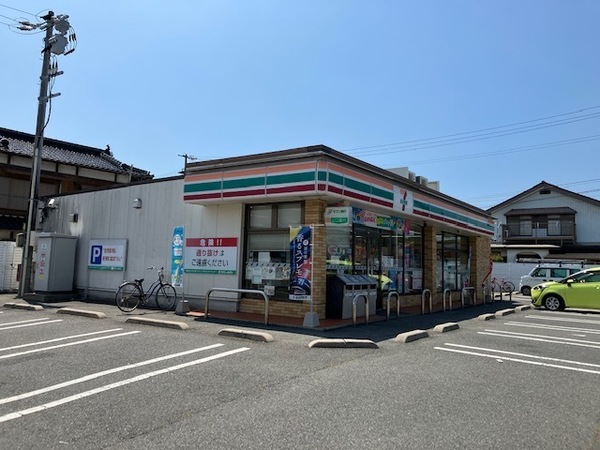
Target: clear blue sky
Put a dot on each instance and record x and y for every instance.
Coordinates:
(219, 78)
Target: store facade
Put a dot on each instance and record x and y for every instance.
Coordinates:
(312, 213)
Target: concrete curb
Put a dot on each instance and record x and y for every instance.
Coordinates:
(486, 317)
(411, 336)
(504, 312)
(245, 334)
(343, 343)
(445, 327)
(158, 323)
(26, 306)
(82, 312)
(523, 307)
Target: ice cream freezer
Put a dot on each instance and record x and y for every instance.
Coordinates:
(54, 262)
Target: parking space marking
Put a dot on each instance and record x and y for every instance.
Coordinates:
(525, 355)
(561, 319)
(104, 373)
(552, 327)
(72, 398)
(524, 361)
(49, 341)
(69, 344)
(541, 338)
(27, 323)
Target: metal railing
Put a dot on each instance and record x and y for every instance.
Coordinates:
(449, 297)
(485, 290)
(425, 292)
(366, 308)
(388, 301)
(240, 291)
(463, 294)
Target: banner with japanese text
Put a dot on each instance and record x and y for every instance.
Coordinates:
(177, 257)
(300, 263)
(213, 255)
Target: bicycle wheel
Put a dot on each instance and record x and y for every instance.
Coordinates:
(166, 297)
(128, 297)
(508, 286)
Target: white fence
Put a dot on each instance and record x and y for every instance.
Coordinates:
(10, 258)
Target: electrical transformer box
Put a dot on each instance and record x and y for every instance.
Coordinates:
(55, 262)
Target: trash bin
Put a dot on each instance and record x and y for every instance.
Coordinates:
(341, 290)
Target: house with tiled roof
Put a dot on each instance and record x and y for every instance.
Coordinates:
(547, 222)
(66, 167)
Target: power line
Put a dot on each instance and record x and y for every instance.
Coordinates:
(444, 137)
(511, 150)
(19, 10)
(480, 137)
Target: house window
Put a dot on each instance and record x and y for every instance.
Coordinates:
(554, 225)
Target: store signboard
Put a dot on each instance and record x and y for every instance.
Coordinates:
(213, 255)
(375, 220)
(403, 200)
(107, 254)
(301, 261)
(338, 216)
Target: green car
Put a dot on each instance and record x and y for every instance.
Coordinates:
(580, 290)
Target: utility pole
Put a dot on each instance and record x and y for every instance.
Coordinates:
(53, 44)
(185, 157)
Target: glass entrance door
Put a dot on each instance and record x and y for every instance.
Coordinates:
(367, 255)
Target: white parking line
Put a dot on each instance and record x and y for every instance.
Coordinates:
(103, 373)
(67, 345)
(526, 355)
(46, 322)
(541, 338)
(505, 358)
(72, 398)
(552, 327)
(75, 336)
(24, 321)
(560, 319)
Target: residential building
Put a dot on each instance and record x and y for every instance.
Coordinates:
(547, 221)
(66, 167)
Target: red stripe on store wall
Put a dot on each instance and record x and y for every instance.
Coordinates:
(283, 190)
(453, 222)
(202, 196)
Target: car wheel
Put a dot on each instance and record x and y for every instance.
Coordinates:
(526, 290)
(553, 302)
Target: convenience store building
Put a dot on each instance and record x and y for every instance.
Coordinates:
(283, 223)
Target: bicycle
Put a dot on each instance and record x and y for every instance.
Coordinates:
(130, 294)
(504, 285)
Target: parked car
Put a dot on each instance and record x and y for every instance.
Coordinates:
(580, 290)
(546, 272)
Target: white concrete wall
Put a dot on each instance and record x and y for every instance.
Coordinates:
(214, 221)
(109, 214)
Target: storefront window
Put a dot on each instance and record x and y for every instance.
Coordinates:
(339, 250)
(412, 281)
(268, 247)
(452, 271)
(394, 257)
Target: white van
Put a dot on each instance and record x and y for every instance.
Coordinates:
(546, 272)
